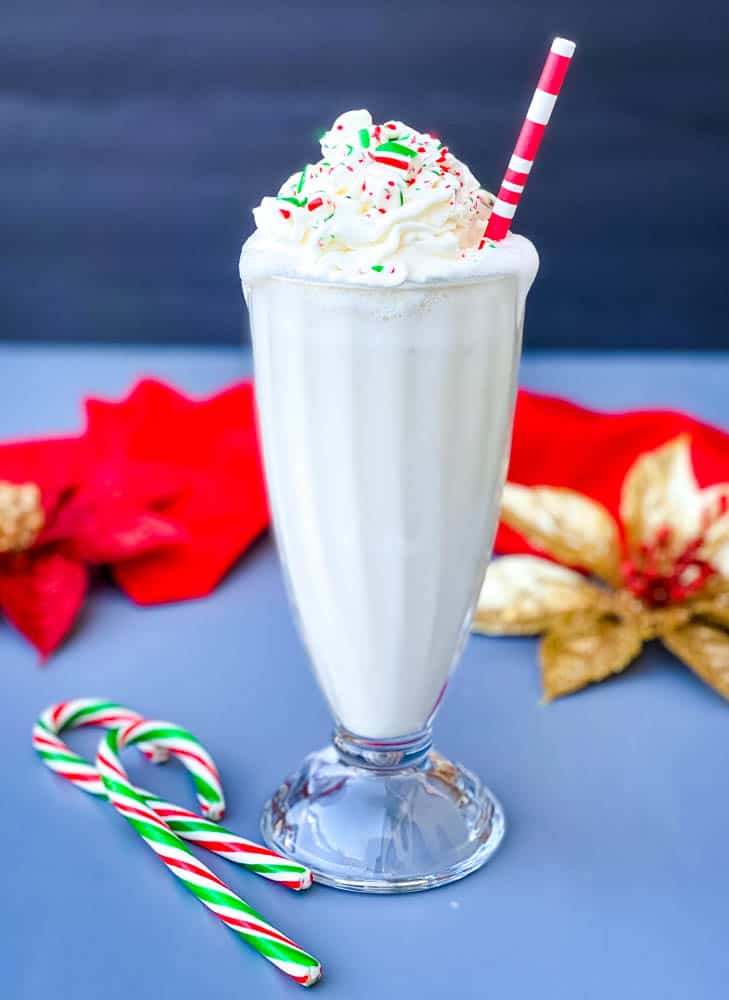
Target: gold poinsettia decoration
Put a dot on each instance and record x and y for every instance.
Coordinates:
(661, 573)
(21, 516)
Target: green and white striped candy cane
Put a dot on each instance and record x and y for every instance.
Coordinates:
(236, 914)
(72, 715)
(168, 737)
(158, 742)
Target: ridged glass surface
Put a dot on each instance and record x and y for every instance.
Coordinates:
(385, 417)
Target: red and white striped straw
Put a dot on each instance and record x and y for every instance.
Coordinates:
(525, 151)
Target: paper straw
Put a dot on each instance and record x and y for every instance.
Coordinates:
(167, 740)
(530, 137)
(236, 914)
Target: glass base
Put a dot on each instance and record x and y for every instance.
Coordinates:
(383, 817)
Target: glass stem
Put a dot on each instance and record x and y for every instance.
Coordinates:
(383, 754)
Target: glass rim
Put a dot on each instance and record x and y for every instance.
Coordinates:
(405, 286)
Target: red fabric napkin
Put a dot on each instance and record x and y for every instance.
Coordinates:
(164, 490)
(208, 453)
(557, 443)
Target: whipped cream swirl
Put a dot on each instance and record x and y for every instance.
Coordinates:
(383, 205)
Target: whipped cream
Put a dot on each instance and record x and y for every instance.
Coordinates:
(385, 204)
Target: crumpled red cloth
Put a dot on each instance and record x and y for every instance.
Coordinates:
(164, 490)
(208, 451)
(168, 492)
(557, 443)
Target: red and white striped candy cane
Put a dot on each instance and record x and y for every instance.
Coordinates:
(159, 740)
(210, 835)
(233, 911)
(71, 715)
(217, 839)
(530, 137)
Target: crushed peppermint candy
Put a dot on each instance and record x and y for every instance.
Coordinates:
(378, 194)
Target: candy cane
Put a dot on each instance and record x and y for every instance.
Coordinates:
(236, 914)
(71, 715)
(157, 741)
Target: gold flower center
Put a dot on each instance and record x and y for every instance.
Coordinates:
(661, 576)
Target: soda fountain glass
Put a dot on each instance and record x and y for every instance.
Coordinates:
(385, 418)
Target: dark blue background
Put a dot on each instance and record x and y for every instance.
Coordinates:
(135, 139)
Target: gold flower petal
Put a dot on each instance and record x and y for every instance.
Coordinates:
(712, 603)
(716, 538)
(524, 595)
(586, 648)
(21, 516)
(705, 650)
(565, 525)
(660, 490)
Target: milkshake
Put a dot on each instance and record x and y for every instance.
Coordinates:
(386, 348)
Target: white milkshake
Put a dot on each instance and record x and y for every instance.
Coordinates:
(385, 418)
(386, 347)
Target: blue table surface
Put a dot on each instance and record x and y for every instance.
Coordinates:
(612, 881)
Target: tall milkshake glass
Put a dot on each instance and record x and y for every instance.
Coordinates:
(385, 417)
(386, 348)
